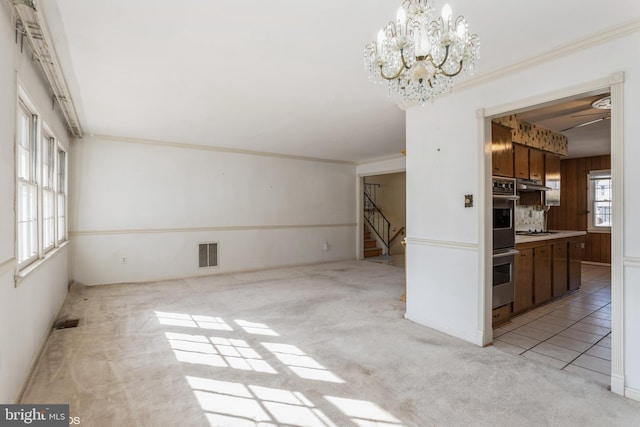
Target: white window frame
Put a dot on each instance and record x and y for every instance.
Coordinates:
(61, 178)
(48, 188)
(30, 176)
(592, 176)
(27, 181)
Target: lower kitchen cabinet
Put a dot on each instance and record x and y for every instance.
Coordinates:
(501, 315)
(523, 287)
(575, 266)
(542, 274)
(546, 269)
(560, 264)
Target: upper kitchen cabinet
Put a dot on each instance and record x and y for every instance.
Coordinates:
(501, 150)
(536, 165)
(520, 161)
(528, 163)
(552, 179)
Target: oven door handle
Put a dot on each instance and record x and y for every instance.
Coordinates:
(506, 253)
(503, 197)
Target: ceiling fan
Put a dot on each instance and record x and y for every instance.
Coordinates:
(600, 104)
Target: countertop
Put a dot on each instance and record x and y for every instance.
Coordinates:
(557, 234)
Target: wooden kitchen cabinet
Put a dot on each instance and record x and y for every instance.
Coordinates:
(536, 165)
(501, 150)
(546, 269)
(542, 274)
(560, 264)
(520, 161)
(500, 314)
(528, 163)
(575, 266)
(523, 287)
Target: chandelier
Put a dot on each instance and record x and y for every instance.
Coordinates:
(418, 56)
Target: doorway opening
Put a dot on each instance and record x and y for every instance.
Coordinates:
(384, 218)
(575, 331)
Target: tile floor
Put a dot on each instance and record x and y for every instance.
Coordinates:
(572, 333)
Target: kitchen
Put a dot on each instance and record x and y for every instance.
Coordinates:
(552, 247)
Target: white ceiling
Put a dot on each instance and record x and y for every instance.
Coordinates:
(278, 76)
(588, 130)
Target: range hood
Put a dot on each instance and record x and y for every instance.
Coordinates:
(529, 185)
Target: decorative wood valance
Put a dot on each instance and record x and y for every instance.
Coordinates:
(534, 136)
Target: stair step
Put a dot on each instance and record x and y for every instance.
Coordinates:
(372, 252)
(367, 235)
(370, 243)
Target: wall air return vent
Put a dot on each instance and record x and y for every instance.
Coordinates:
(207, 255)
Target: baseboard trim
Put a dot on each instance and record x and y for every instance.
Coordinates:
(617, 384)
(632, 393)
(215, 272)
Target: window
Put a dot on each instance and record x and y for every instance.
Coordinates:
(48, 192)
(27, 185)
(61, 207)
(41, 170)
(600, 200)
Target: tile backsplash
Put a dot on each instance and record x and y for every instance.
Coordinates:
(529, 217)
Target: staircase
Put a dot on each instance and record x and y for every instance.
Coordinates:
(371, 248)
(376, 222)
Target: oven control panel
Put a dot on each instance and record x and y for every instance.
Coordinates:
(503, 186)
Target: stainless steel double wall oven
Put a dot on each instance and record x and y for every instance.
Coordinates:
(504, 200)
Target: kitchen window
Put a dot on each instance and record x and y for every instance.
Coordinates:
(41, 187)
(600, 196)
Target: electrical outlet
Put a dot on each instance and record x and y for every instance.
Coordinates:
(124, 260)
(468, 200)
(326, 246)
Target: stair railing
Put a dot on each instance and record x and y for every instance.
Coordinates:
(374, 216)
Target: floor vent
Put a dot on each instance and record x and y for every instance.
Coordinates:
(207, 255)
(66, 324)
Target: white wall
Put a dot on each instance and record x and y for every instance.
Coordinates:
(442, 166)
(28, 310)
(152, 203)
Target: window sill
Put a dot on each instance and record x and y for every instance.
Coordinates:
(26, 271)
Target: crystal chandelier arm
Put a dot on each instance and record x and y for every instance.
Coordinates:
(454, 74)
(400, 70)
(446, 56)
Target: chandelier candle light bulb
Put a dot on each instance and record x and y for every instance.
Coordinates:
(417, 56)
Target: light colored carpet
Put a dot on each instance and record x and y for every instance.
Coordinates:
(322, 345)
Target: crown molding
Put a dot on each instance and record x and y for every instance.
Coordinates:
(188, 146)
(558, 52)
